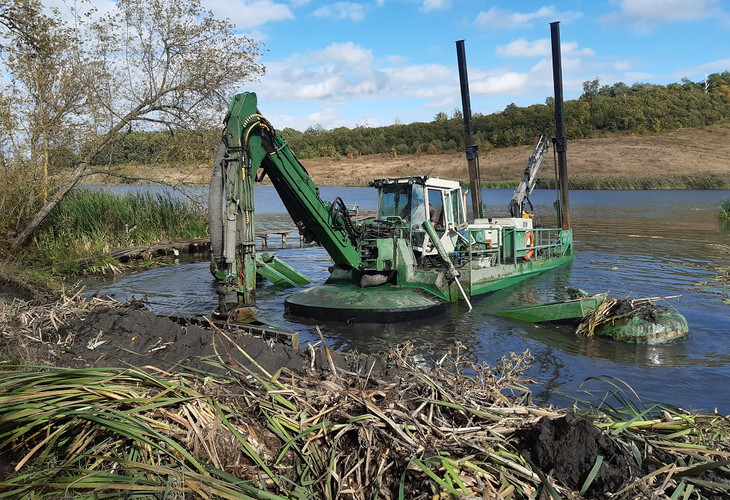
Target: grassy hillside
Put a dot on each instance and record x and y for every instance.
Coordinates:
(697, 151)
(615, 160)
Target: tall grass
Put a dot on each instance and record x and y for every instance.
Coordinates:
(688, 181)
(725, 208)
(91, 222)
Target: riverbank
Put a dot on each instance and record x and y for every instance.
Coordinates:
(693, 158)
(219, 411)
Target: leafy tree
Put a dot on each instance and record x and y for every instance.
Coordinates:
(50, 82)
(149, 64)
(590, 87)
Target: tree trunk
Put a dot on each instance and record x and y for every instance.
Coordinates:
(49, 205)
(77, 174)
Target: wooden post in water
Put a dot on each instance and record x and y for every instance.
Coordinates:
(560, 142)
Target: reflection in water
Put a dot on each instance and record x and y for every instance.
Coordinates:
(629, 244)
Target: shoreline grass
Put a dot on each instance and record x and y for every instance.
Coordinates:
(90, 222)
(664, 182)
(725, 208)
(610, 183)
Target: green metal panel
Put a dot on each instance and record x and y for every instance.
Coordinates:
(277, 271)
(554, 311)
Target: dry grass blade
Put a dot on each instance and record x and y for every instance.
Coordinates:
(599, 316)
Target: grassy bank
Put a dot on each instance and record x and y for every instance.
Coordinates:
(676, 181)
(91, 222)
(596, 182)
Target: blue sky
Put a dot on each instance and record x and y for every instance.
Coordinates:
(381, 62)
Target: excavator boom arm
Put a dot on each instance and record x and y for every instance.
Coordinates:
(529, 177)
(252, 141)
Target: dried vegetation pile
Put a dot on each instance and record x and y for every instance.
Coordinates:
(242, 431)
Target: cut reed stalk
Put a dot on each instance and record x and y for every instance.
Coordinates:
(101, 432)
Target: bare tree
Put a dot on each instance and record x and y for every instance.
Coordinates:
(149, 64)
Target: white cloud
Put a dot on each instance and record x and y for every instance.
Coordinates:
(410, 75)
(324, 116)
(667, 10)
(570, 49)
(542, 47)
(496, 18)
(321, 89)
(246, 14)
(523, 48)
(692, 72)
(497, 84)
(342, 10)
(430, 5)
(346, 75)
(645, 15)
(349, 53)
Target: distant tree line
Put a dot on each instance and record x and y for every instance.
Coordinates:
(637, 109)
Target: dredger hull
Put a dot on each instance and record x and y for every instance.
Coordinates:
(350, 303)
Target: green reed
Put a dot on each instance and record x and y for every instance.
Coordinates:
(91, 222)
(725, 208)
(689, 181)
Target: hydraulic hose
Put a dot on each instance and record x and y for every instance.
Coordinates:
(215, 205)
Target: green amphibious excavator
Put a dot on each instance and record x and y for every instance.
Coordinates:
(416, 257)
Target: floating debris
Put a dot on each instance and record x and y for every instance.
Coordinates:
(636, 320)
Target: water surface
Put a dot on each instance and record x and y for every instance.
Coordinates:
(627, 243)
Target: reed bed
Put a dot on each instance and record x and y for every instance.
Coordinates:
(92, 222)
(725, 208)
(453, 429)
(678, 181)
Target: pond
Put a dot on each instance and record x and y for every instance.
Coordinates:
(632, 244)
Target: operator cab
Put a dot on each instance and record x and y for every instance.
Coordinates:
(413, 200)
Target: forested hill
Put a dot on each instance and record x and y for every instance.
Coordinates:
(610, 109)
(638, 109)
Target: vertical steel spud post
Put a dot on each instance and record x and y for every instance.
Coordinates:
(472, 152)
(560, 141)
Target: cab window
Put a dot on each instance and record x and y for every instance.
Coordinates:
(457, 208)
(436, 207)
(394, 201)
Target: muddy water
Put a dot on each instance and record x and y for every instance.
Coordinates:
(628, 243)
